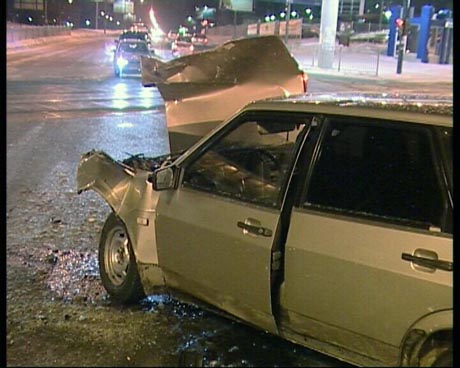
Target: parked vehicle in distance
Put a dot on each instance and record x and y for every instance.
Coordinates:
(199, 39)
(182, 45)
(127, 56)
(136, 35)
(324, 219)
(172, 35)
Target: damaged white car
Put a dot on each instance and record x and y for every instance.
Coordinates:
(325, 220)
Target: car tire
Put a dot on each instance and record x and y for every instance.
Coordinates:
(445, 359)
(117, 263)
(438, 356)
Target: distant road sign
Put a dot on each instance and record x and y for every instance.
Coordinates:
(238, 5)
(29, 4)
(123, 6)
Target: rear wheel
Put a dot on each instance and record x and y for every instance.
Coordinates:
(117, 263)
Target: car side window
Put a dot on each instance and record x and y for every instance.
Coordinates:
(384, 171)
(250, 163)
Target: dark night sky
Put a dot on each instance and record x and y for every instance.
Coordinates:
(171, 13)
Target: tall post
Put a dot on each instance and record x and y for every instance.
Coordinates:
(46, 11)
(288, 17)
(97, 14)
(105, 19)
(234, 23)
(402, 36)
(328, 32)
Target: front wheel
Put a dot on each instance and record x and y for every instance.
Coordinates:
(117, 263)
(438, 356)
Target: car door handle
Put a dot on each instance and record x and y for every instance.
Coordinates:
(428, 262)
(255, 229)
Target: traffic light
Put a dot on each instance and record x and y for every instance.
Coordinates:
(401, 24)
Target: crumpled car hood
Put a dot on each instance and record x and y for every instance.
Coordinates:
(212, 85)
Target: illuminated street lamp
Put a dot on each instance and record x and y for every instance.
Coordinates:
(282, 15)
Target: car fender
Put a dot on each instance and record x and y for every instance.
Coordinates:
(130, 196)
(421, 331)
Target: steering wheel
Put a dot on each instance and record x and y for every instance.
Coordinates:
(272, 164)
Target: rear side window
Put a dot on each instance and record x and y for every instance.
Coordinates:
(384, 171)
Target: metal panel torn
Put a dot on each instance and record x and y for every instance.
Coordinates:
(212, 85)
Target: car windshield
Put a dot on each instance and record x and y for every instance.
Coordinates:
(135, 35)
(137, 47)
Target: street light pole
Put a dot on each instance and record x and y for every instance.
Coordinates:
(288, 16)
(105, 19)
(97, 14)
(402, 36)
(46, 11)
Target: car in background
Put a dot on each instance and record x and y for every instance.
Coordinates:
(139, 27)
(135, 35)
(182, 45)
(199, 39)
(127, 56)
(172, 35)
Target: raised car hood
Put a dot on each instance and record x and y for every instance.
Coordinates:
(212, 85)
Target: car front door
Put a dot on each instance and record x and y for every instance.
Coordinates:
(216, 232)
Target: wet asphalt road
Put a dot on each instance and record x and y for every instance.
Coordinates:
(63, 100)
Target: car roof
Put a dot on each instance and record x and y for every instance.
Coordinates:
(426, 109)
(134, 34)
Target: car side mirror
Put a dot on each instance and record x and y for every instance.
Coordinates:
(162, 179)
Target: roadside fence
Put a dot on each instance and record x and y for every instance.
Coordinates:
(18, 32)
(360, 59)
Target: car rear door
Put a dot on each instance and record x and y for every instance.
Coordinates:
(217, 231)
(375, 205)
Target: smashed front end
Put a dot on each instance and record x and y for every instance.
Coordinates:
(125, 187)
